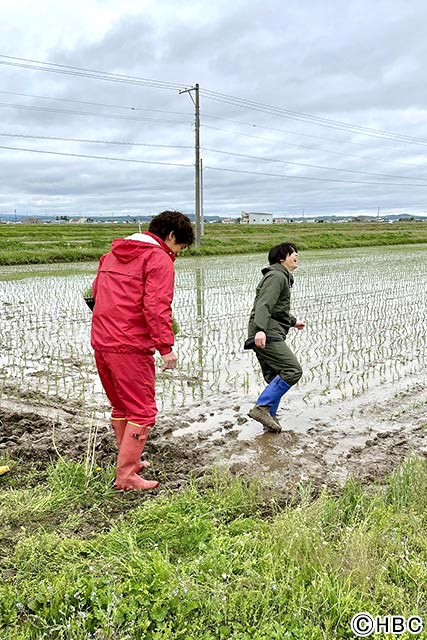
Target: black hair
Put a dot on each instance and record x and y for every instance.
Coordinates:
(167, 221)
(281, 252)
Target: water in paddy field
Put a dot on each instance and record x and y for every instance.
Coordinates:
(365, 311)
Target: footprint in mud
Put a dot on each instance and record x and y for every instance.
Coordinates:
(358, 449)
(313, 430)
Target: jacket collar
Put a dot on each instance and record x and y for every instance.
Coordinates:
(151, 238)
(279, 267)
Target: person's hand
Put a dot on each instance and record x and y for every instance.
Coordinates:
(260, 339)
(299, 325)
(169, 361)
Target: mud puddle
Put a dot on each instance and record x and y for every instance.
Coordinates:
(366, 438)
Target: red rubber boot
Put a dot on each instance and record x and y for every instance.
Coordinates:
(131, 448)
(119, 426)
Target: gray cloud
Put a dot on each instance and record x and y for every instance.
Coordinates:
(352, 62)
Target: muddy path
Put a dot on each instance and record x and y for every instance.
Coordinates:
(366, 438)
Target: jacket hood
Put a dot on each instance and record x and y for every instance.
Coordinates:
(127, 249)
(281, 269)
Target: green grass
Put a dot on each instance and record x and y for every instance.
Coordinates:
(224, 561)
(43, 243)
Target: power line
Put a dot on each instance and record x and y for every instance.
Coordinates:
(95, 104)
(115, 116)
(300, 146)
(252, 105)
(211, 95)
(54, 67)
(281, 175)
(209, 116)
(81, 155)
(88, 113)
(205, 115)
(131, 108)
(296, 115)
(84, 140)
(138, 119)
(311, 166)
(175, 164)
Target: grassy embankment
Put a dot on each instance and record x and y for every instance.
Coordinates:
(80, 562)
(42, 243)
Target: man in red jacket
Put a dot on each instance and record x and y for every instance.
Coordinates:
(132, 318)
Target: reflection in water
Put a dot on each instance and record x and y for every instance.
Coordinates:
(200, 323)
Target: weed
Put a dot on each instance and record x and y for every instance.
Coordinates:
(206, 564)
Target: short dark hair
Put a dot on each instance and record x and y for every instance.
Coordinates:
(167, 221)
(281, 252)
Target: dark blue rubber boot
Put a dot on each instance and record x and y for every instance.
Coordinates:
(273, 393)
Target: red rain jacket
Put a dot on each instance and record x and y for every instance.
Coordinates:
(133, 293)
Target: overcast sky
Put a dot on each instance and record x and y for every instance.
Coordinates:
(359, 63)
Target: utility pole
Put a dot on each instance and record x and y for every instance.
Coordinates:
(196, 159)
(15, 215)
(378, 213)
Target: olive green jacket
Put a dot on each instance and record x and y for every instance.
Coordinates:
(271, 310)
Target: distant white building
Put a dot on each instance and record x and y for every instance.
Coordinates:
(256, 218)
(78, 220)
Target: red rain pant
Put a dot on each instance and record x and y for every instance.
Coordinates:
(129, 382)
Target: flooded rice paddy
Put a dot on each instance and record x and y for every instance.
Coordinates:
(359, 409)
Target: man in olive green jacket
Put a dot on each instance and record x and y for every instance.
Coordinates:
(269, 323)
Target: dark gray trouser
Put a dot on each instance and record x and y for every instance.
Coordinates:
(277, 359)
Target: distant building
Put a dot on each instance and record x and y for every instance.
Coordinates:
(78, 220)
(256, 218)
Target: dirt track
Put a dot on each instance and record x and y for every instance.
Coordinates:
(366, 438)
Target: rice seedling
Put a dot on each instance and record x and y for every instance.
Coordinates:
(365, 312)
